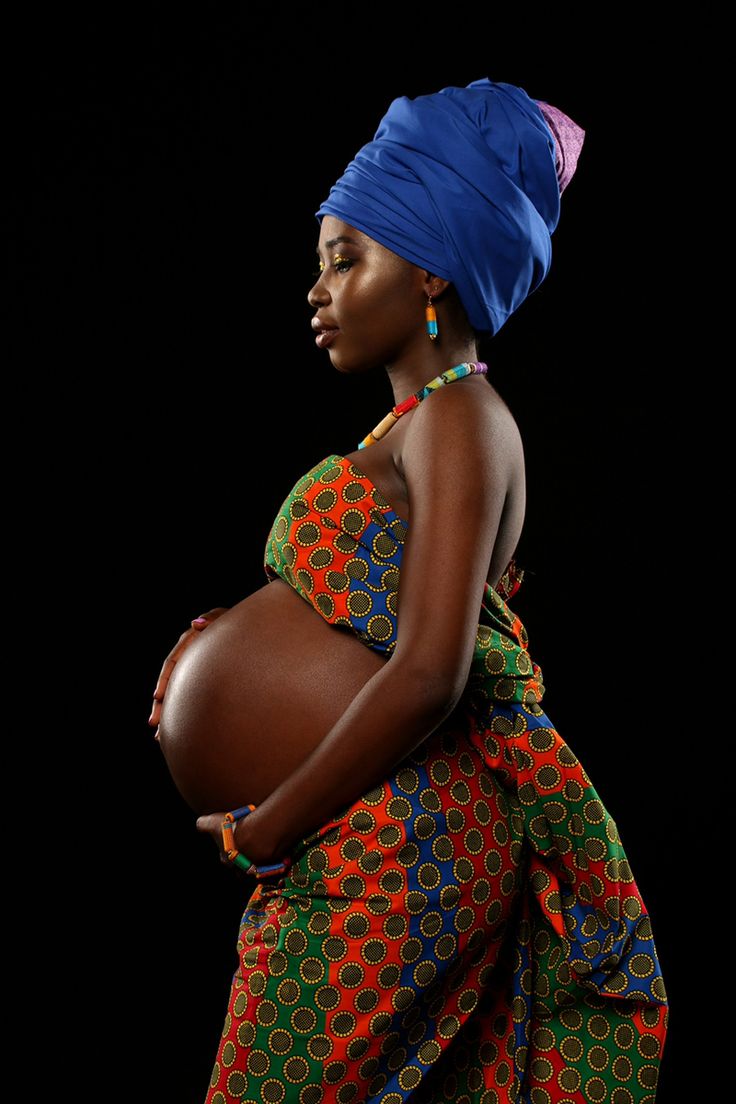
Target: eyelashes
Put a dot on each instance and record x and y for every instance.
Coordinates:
(338, 261)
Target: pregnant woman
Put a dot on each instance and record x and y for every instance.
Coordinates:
(443, 909)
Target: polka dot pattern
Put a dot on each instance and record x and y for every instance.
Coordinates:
(469, 930)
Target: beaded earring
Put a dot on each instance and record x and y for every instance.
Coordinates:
(431, 316)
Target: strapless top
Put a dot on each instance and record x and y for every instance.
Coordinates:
(339, 543)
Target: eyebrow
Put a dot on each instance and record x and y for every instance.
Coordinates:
(336, 241)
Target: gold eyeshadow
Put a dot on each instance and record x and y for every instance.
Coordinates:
(337, 259)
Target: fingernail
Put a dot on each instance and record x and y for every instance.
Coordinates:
(199, 621)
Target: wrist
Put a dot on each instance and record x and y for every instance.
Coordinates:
(253, 840)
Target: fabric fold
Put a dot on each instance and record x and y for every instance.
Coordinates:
(465, 182)
(468, 930)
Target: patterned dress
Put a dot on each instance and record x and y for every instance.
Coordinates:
(470, 930)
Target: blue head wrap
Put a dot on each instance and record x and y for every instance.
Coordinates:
(464, 183)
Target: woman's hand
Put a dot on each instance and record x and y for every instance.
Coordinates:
(212, 823)
(181, 645)
(250, 838)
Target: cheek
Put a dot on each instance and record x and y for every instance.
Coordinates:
(377, 300)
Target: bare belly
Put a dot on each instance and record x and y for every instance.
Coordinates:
(254, 694)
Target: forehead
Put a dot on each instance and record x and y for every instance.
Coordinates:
(333, 231)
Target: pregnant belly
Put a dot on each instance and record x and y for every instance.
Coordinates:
(252, 696)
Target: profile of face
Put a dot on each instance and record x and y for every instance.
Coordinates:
(374, 298)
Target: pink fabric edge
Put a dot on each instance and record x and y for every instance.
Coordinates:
(568, 138)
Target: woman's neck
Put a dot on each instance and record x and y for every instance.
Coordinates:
(414, 371)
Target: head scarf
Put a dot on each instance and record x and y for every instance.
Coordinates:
(466, 183)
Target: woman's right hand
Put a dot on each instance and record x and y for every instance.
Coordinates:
(181, 645)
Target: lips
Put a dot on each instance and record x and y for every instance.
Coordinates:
(326, 337)
(325, 331)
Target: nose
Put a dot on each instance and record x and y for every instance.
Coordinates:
(318, 293)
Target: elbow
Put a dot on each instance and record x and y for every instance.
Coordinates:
(440, 693)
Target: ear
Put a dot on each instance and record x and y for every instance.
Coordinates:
(434, 285)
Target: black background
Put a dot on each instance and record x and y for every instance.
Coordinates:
(172, 166)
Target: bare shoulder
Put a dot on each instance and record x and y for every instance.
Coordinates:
(469, 423)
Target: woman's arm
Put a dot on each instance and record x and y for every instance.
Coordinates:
(457, 473)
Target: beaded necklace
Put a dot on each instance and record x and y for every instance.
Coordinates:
(458, 372)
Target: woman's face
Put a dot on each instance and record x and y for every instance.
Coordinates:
(373, 297)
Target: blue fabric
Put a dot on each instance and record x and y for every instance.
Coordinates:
(461, 182)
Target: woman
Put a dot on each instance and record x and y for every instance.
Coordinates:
(444, 910)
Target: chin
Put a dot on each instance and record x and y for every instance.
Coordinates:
(353, 367)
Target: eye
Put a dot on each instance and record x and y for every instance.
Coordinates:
(339, 262)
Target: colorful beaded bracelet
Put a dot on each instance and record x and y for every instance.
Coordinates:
(236, 857)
